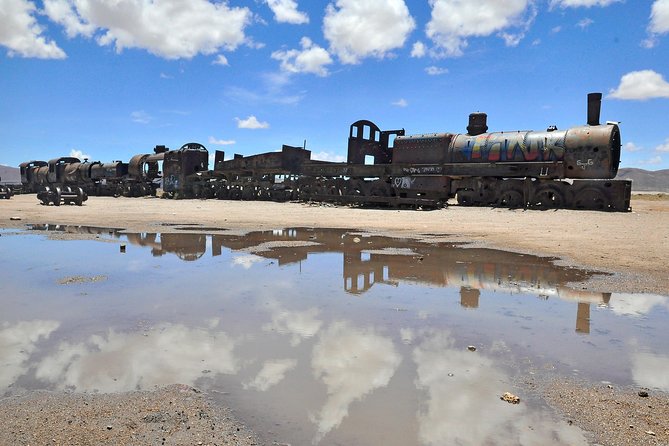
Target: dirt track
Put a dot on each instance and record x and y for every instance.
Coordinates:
(635, 245)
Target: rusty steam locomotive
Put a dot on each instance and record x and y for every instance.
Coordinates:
(571, 168)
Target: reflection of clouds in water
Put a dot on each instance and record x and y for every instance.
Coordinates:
(127, 361)
(636, 304)
(352, 362)
(246, 261)
(650, 370)
(272, 373)
(300, 324)
(466, 409)
(17, 342)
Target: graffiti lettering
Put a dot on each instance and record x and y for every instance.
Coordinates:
(584, 164)
(424, 170)
(403, 182)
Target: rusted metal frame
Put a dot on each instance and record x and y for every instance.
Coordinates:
(346, 170)
(617, 194)
(545, 169)
(393, 201)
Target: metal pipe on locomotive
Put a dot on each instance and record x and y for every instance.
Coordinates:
(572, 168)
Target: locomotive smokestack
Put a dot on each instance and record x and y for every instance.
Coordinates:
(477, 124)
(594, 108)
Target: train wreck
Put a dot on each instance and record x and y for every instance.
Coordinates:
(549, 169)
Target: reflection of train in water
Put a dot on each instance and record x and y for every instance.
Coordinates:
(571, 168)
(371, 259)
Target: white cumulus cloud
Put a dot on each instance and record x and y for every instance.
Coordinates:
(357, 29)
(454, 21)
(641, 85)
(663, 147)
(659, 17)
(79, 154)
(584, 23)
(581, 3)
(631, 147)
(285, 11)
(140, 117)
(22, 35)
(171, 29)
(311, 59)
(418, 49)
(400, 103)
(221, 60)
(221, 142)
(327, 156)
(251, 123)
(658, 24)
(435, 71)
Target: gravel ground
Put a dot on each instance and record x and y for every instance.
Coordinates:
(614, 416)
(174, 415)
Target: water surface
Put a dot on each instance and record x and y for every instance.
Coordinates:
(320, 336)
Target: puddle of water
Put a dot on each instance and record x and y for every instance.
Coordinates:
(320, 336)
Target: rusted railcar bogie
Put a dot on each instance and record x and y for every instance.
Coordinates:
(66, 195)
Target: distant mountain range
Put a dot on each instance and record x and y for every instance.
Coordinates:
(642, 180)
(10, 175)
(645, 180)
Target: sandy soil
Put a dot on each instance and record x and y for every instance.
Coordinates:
(613, 416)
(634, 246)
(175, 415)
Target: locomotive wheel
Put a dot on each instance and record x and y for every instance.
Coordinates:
(511, 197)
(235, 193)
(355, 188)
(379, 189)
(549, 196)
(591, 198)
(208, 193)
(466, 197)
(304, 193)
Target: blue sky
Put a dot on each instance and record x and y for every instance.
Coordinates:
(108, 79)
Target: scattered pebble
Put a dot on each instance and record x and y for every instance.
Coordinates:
(643, 394)
(471, 348)
(510, 398)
